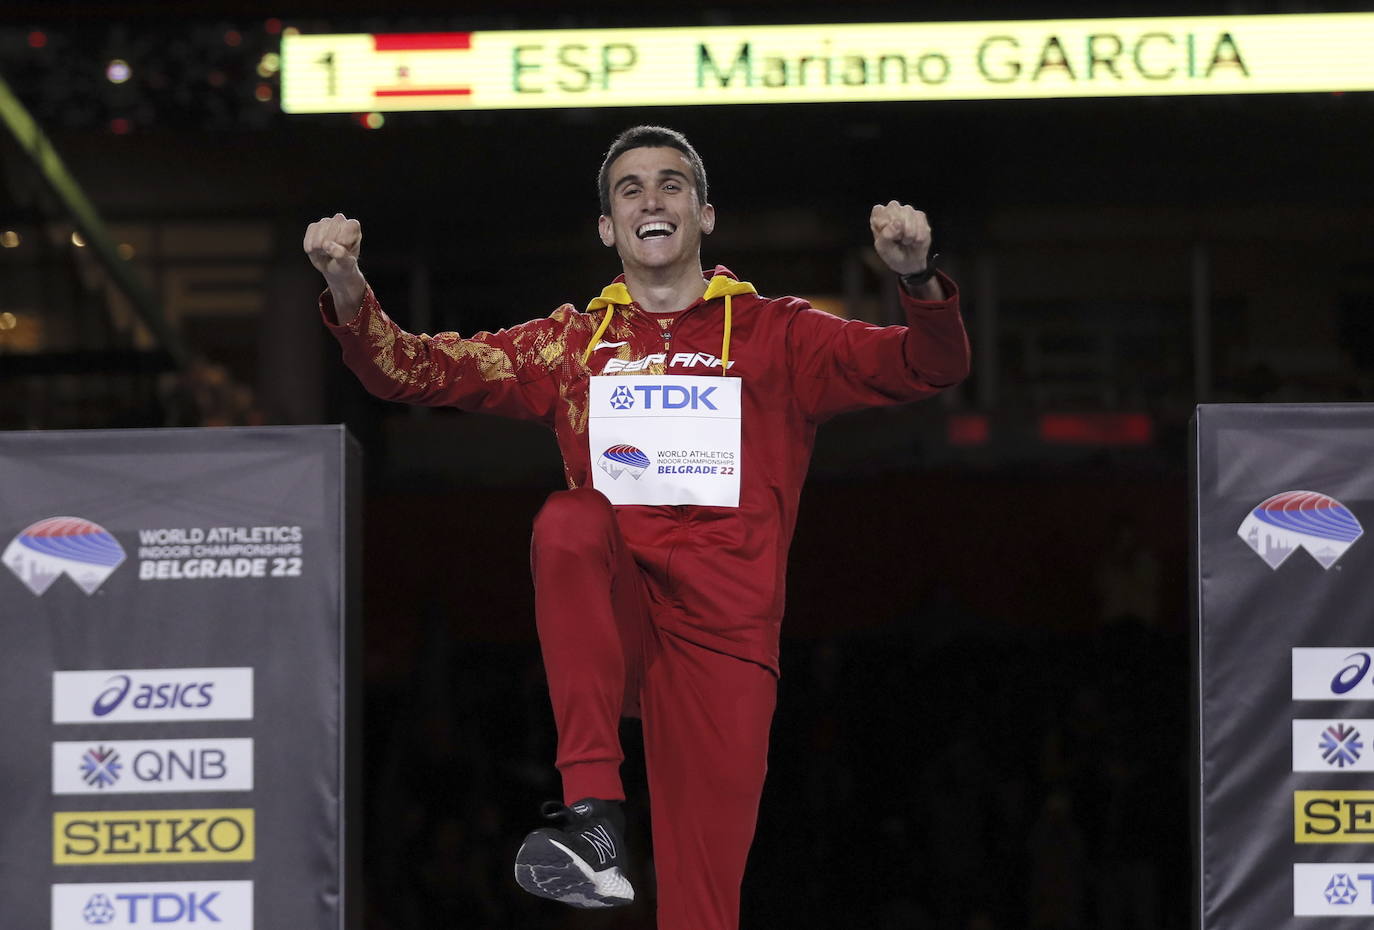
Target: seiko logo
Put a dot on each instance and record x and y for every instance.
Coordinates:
(100, 837)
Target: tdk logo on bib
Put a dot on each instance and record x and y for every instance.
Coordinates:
(662, 397)
(1300, 520)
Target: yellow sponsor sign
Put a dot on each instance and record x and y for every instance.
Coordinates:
(836, 63)
(145, 837)
(1333, 816)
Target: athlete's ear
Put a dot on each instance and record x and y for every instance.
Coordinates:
(607, 231)
(708, 218)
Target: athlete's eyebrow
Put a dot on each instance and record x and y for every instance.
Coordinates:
(663, 173)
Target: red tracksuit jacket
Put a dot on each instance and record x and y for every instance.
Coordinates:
(715, 575)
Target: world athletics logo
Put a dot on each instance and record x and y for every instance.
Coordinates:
(84, 551)
(622, 458)
(1300, 520)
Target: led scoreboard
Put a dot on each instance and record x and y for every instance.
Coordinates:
(835, 63)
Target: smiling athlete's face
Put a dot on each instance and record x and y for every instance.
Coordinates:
(656, 221)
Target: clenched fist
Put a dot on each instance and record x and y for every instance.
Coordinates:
(901, 236)
(333, 243)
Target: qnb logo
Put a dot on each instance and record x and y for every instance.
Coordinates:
(171, 694)
(84, 551)
(1342, 890)
(617, 460)
(1340, 745)
(1300, 520)
(100, 767)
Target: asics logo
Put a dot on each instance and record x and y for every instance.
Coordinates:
(600, 839)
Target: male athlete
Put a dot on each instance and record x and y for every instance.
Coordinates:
(685, 406)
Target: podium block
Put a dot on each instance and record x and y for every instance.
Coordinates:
(178, 678)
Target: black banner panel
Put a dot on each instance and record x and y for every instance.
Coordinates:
(178, 620)
(1285, 690)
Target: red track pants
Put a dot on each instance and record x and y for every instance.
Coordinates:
(705, 714)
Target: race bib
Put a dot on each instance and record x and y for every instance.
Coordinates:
(665, 439)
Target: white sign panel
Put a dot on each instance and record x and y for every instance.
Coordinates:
(152, 766)
(1333, 889)
(1333, 674)
(222, 905)
(147, 694)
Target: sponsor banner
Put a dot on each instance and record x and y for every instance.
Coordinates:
(152, 766)
(189, 599)
(114, 906)
(1332, 745)
(1333, 889)
(151, 694)
(1339, 673)
(834, 63)
(1333, 816)
(1282, 579)
(152, 837)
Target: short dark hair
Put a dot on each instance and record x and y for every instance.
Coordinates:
(639, 137)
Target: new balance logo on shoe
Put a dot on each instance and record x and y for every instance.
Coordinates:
(579, 861)
(600, 840)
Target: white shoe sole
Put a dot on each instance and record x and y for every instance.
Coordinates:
(547, 868)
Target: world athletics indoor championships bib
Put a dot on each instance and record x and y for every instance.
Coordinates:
(665, 439)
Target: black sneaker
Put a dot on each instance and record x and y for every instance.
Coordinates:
(579, 861)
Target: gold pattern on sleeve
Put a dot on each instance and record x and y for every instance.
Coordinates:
(492, 363)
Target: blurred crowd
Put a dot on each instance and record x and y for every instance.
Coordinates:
(943, 772)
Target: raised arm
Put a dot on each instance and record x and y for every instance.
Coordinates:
(333, 244)
(840, 365)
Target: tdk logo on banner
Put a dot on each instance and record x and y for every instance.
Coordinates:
(1333, 674)
(617, 460)
(129, 766)
(1300, 520)
(1333, 889)
(223, 905)
(131, 695)
(83, 551)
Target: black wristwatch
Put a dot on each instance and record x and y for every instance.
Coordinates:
(914, 280)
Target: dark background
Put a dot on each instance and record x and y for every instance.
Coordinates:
(983, 709)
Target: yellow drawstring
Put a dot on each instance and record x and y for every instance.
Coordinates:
(723, 285)
(611, 296)
(619, 295)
